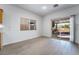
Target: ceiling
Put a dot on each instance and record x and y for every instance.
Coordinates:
(44, 9)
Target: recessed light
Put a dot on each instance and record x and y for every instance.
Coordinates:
(44, 7)
(1, 26)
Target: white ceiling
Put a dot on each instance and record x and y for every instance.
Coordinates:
(37, 8)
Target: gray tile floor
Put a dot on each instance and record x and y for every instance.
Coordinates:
(41, 46)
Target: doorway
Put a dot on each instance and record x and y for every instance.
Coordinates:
(63, 28)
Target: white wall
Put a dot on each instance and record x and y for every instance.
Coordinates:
(11, 30)
(77, 28)
(60, 14)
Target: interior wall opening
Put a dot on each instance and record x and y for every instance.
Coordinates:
(62, 28)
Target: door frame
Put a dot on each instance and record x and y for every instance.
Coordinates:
(71, 18)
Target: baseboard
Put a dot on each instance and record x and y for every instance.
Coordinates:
(21, 41)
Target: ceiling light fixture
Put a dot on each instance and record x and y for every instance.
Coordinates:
(44, 7)
(55, 5)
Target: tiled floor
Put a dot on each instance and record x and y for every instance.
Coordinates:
(41, 46)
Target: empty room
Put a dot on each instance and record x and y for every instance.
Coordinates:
(39, 29)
